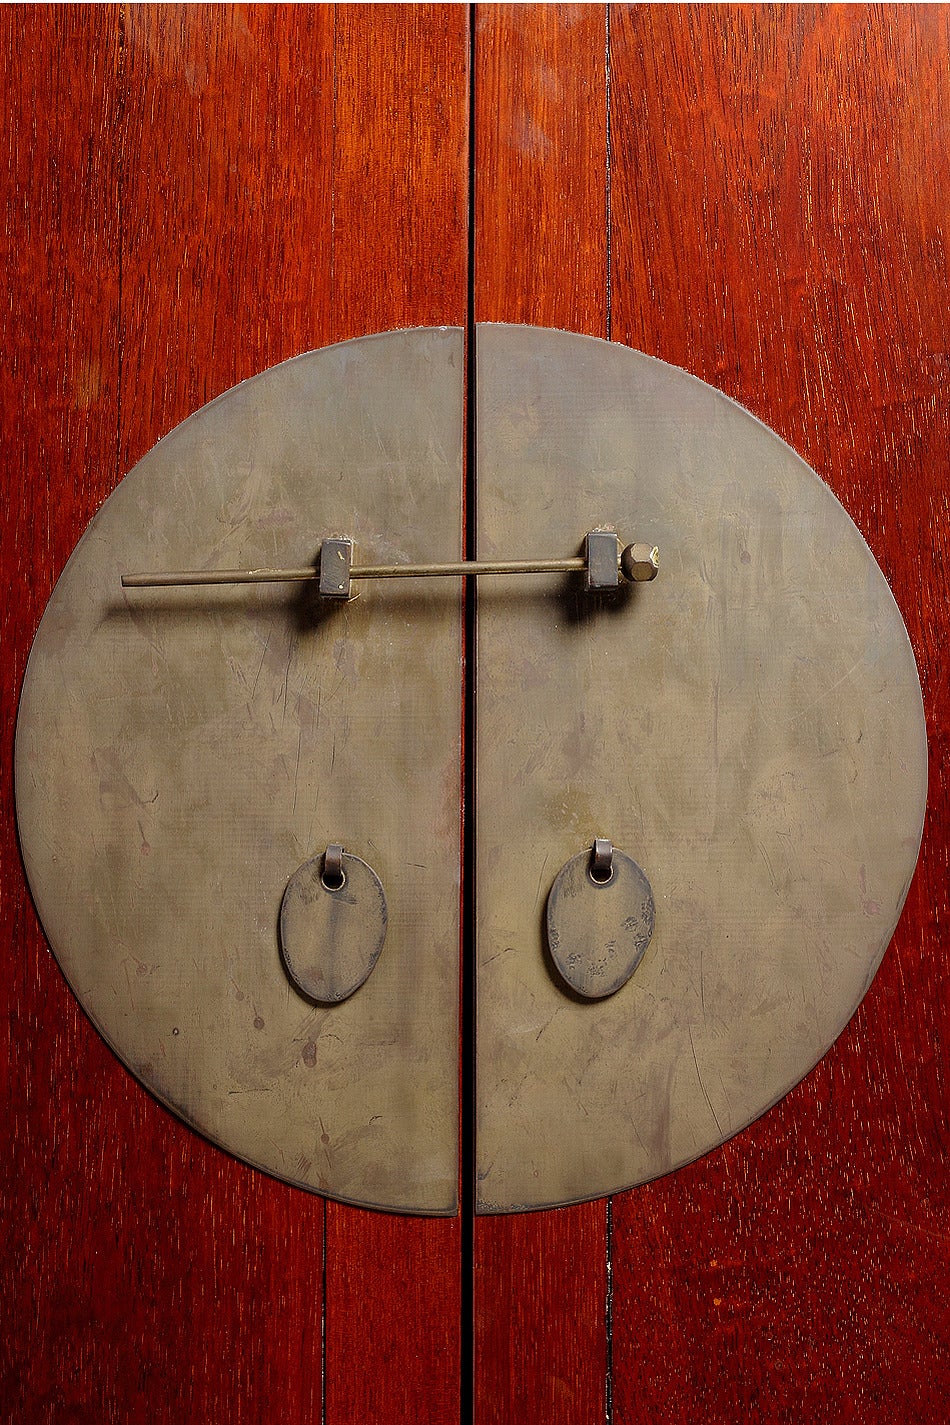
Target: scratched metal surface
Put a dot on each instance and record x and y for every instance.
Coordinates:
(180, 753)
(748, 728)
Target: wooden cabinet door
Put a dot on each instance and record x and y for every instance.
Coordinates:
(192, 194)
(757, 194)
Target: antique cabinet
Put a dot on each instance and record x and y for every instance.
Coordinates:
(755, 194)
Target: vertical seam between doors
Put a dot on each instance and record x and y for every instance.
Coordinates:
(468, 937)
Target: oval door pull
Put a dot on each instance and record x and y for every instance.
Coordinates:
(600, 920)
(333, 920)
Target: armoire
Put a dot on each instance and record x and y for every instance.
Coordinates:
(759, 194)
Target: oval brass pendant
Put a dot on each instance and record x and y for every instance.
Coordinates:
(332, 926)
(599, 922)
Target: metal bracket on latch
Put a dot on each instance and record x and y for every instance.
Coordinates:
(336, 560)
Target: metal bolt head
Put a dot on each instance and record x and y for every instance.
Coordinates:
(640, 562)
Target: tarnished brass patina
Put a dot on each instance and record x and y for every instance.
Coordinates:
(180, 753)
(746, 734)
(333, 920)
(600, 917)
(749, 728)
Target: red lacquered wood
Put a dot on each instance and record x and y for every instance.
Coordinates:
(400, 166)
(227, 170)
(780, 185)
(541, 257)
(195, 193)
(540, 152)
(58, 384)
(181, 213)
(400, 234)
(540, 1315)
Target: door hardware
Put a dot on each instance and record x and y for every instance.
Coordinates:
(603, 563)
(749, 735)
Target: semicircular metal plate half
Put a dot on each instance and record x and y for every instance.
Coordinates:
(748, 727)
(181, 752)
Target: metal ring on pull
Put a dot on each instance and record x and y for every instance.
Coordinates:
(333, 875)
(331, 937)
(601, 868)
(600, 919)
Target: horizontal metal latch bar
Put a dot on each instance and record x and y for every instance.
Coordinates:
(603, 561)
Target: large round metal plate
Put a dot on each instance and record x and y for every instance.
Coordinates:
(748, 727)
(181, 752)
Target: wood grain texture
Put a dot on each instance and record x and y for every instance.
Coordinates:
(192, 193)
(780, 184)
(226, 161)
(540, 154)
(190, 198)
(58, 399)
(541, 257)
